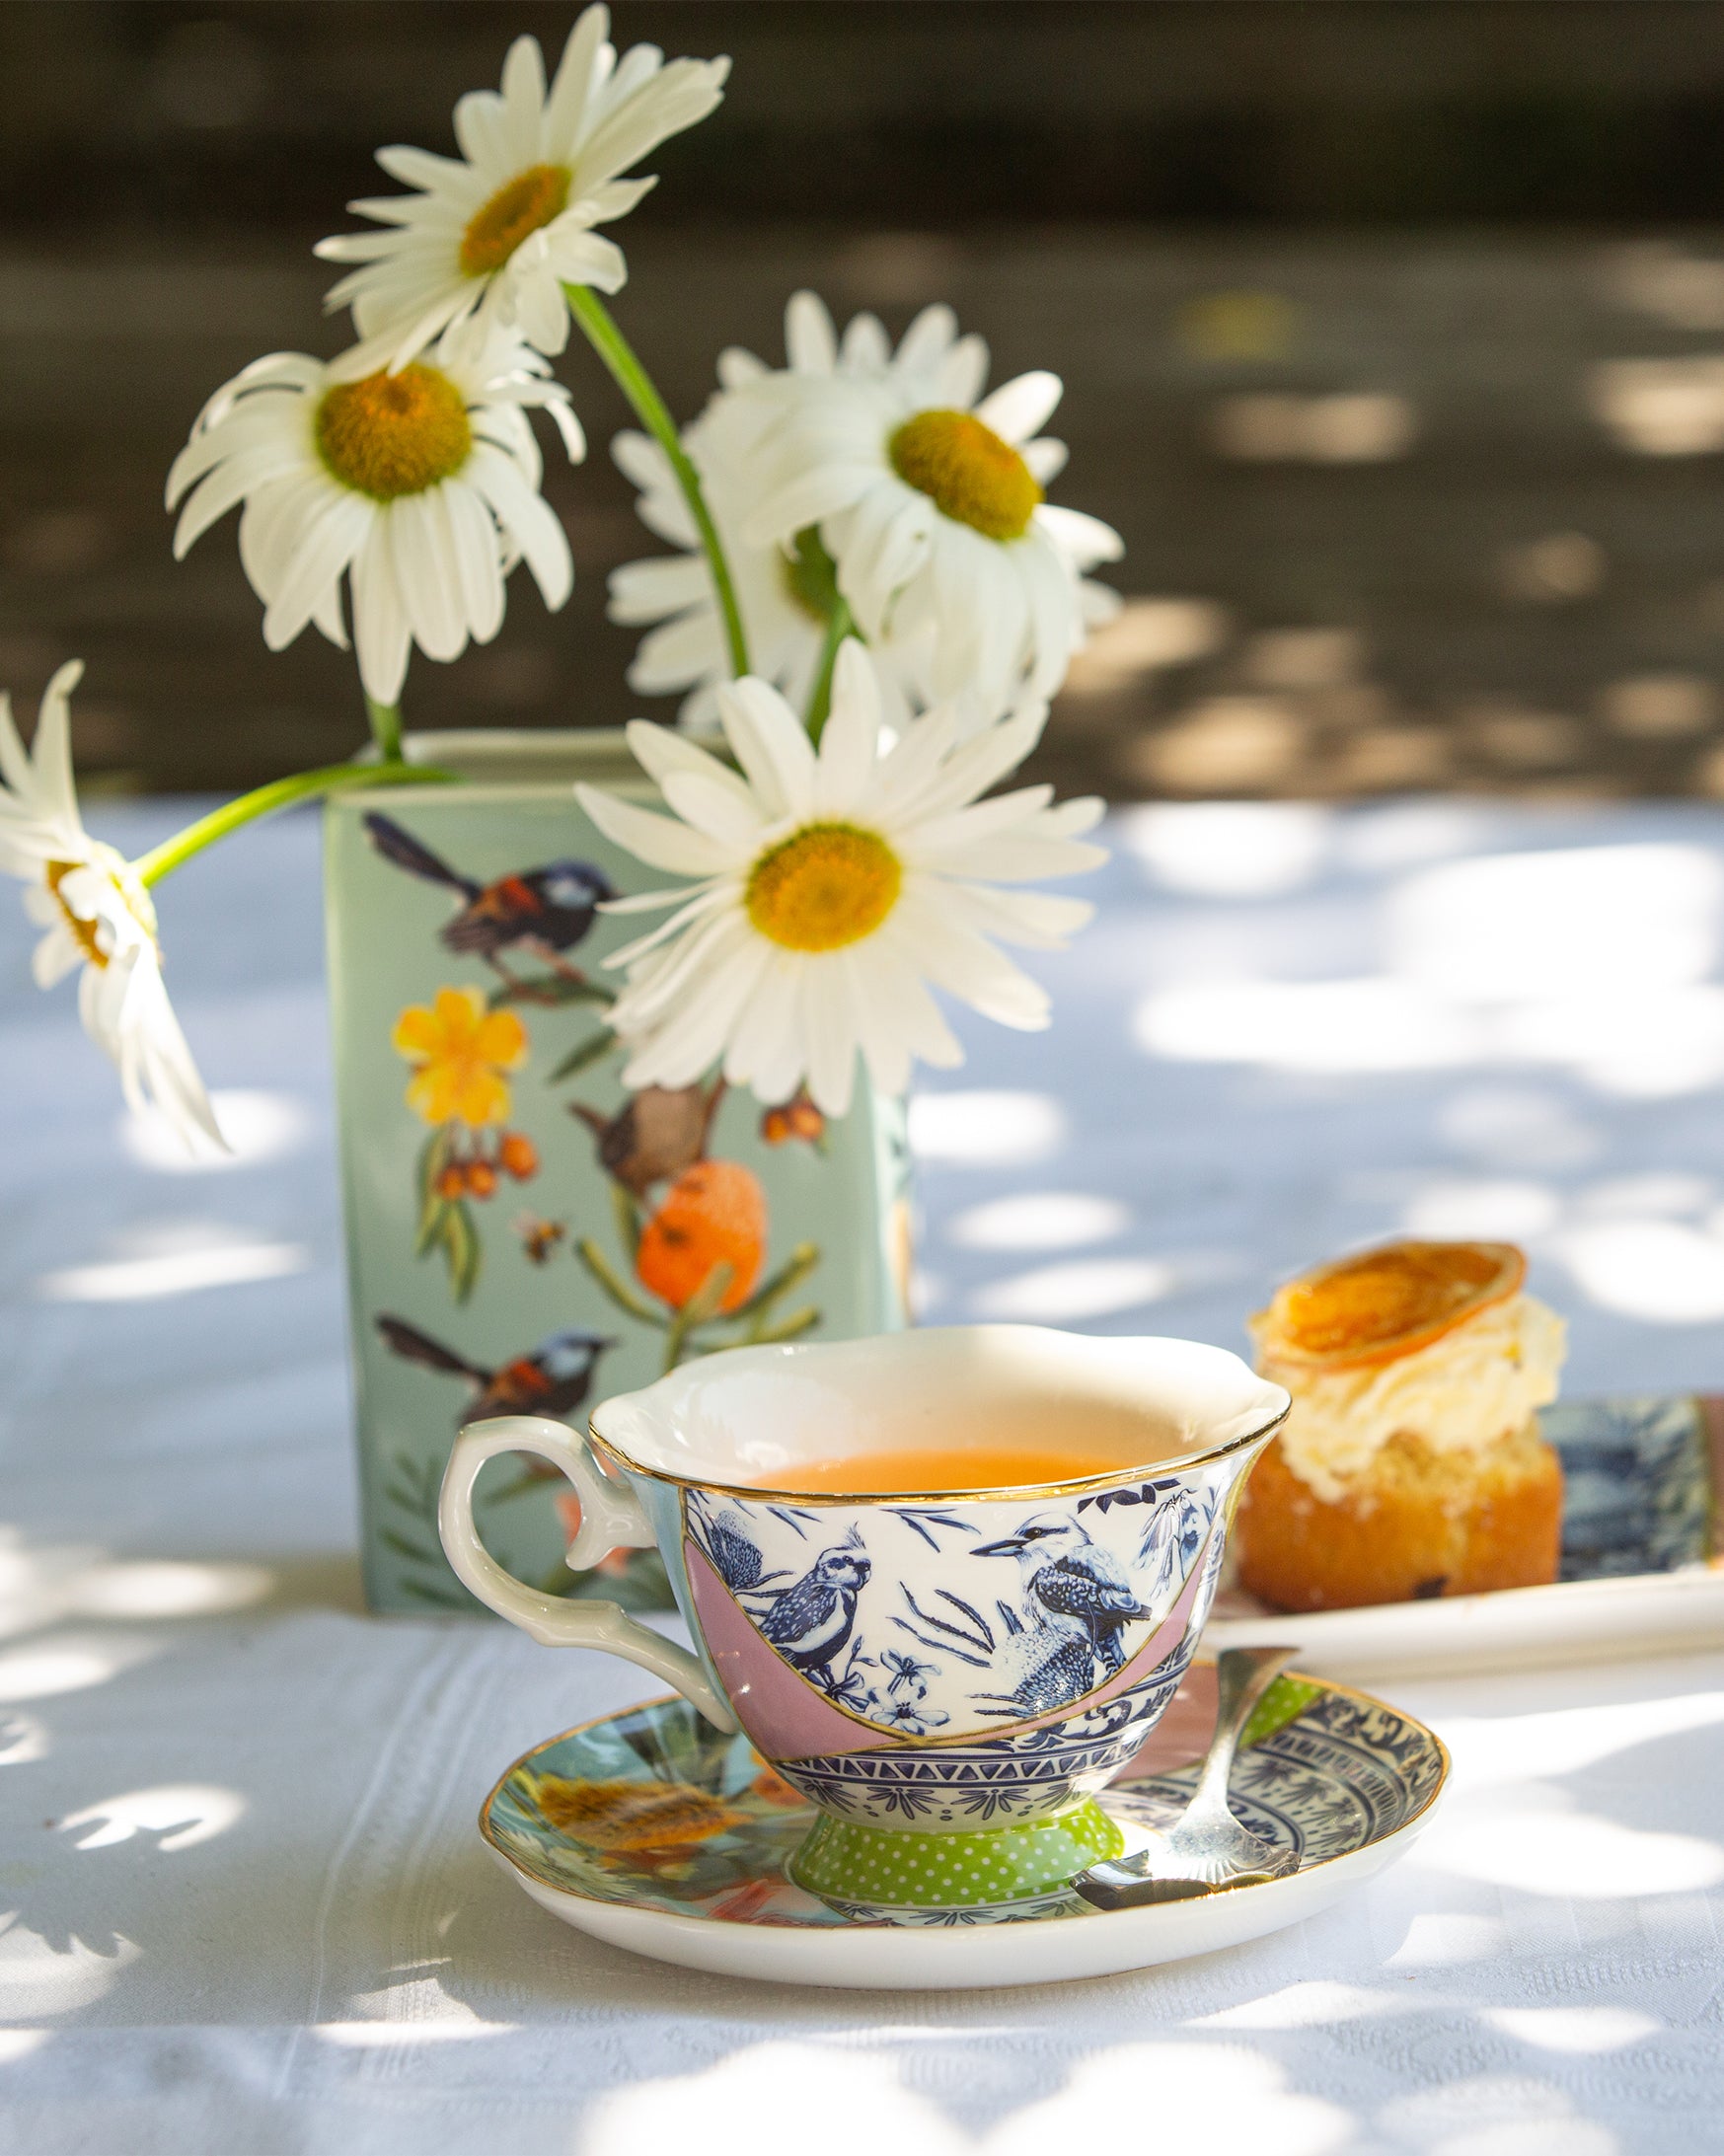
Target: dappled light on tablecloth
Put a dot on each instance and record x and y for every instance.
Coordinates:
(1040, 1219)
(1063, 1294)
(1574, 2029)
(175, 1815)
(39, 1977)
(986, 1128)
(259, 1126)
(849, 2100)
(195, 1258)
(1228, 848)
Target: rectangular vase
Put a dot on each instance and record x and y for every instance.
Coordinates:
(523, 1234)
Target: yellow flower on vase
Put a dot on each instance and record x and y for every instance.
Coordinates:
(460, 1051)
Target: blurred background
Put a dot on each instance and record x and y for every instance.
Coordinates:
(1392, 333)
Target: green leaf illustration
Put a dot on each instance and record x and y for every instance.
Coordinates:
(786, 1328)
(796, 1267)
(442, 1597)
(549, 989)
(594, 1048)
(462, 1247)
(599, 1266)
(699, 1310)
(402, 1547)
(433, 1159)
(627, 1213)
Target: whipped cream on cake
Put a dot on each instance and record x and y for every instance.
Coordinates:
(1463, 1391)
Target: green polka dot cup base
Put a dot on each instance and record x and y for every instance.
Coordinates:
(863, 1869)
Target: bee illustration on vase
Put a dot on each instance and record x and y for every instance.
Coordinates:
(540, 1238)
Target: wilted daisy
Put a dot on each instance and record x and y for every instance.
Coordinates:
(785, 595)
(495, 234)
(833, 886)
(928, 497)
(423, 487)
(97, 916)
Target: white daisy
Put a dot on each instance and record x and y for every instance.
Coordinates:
(785, 595)
(931, 504)
(97, 916)
(421, 485)
(495, 234)
(833, 886)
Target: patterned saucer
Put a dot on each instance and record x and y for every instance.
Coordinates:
(650, 1831)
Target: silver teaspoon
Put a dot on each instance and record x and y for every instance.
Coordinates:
(1207, 1848)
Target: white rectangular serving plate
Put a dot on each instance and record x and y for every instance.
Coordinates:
(1644, 1570)
(1575, 1621)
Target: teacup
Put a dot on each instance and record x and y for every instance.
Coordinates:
(949, 1677)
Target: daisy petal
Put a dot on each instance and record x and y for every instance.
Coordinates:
(770, 745)
(1019, 409)
(659, 841)
(927, 340)
(810, 341)
(1082, 540)
(722, 810)
(849, 746)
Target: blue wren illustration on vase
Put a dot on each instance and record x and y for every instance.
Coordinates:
(552, 1378)
(546, 911)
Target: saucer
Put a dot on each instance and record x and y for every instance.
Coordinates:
(650, 1831)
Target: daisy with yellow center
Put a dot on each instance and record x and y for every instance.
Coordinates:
(99, 919)
(832, 887)
(422, 487)
(929, 499)
(785, 597)
(493, 236)
(462, 1053)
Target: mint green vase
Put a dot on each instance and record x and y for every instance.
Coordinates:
(523, 1236)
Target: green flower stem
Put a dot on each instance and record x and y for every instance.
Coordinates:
(633, 379)
(599, 1266)
(838, 625)
(385, 728)
(305, 786)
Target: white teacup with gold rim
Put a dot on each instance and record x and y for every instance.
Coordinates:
(946, 1581)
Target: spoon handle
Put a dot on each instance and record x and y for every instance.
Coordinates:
(1242, 1675)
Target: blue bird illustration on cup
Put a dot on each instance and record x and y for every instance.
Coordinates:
(811, 1621)
(735, 1555)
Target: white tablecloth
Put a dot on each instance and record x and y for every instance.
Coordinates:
(249, 1911)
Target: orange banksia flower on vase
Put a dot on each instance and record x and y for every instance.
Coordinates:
(715, 1214)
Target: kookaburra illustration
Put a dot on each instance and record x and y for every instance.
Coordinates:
(1068, 1576)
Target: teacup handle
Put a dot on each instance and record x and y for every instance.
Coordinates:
(611, 1518)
